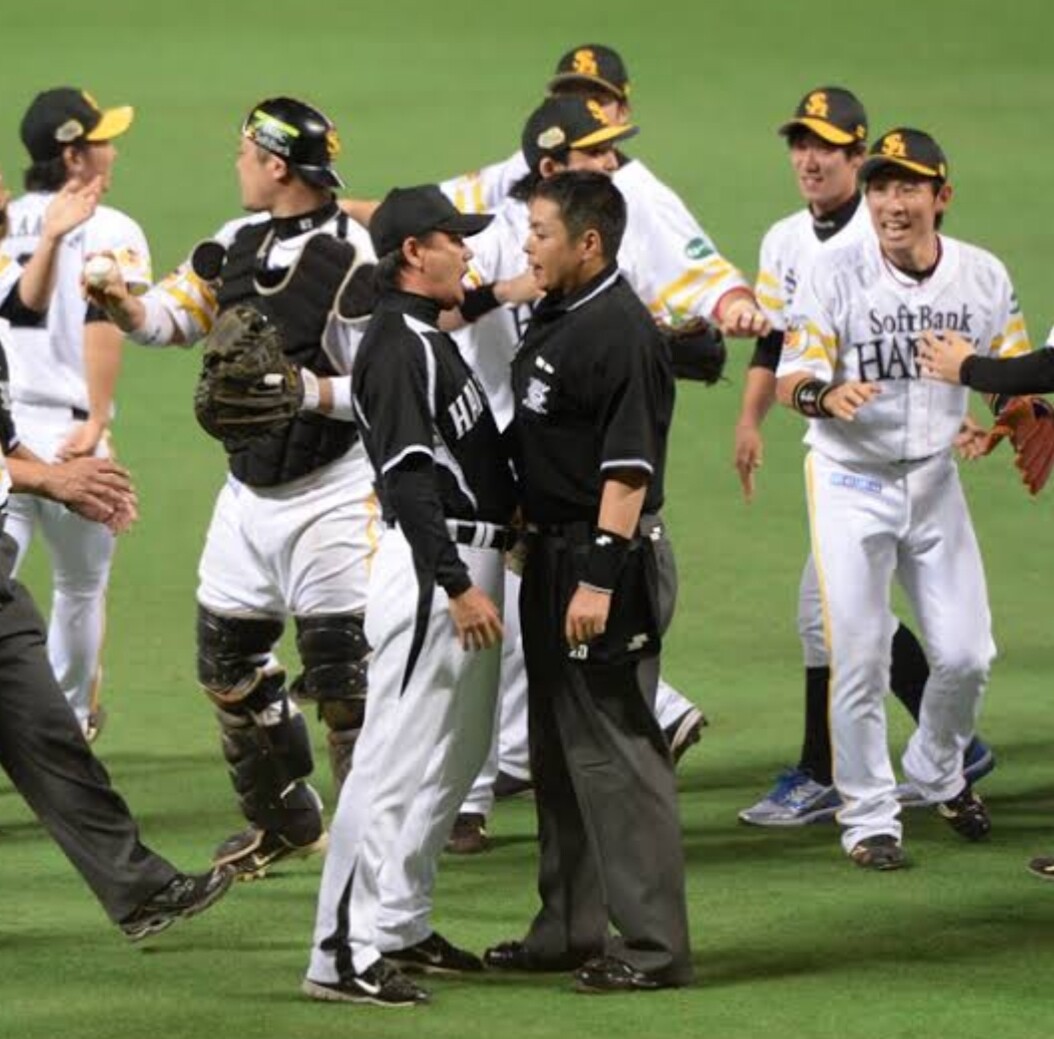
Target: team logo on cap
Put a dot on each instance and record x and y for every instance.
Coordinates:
(816, 105)
(597, 111)
(69, 131)
(585, 62)
(554, 137)
(860, 131)
(894, 146)
(332, 144)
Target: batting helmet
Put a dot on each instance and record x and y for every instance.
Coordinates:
(298, 133)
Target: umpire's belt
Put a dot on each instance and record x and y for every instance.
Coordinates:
(650, 526)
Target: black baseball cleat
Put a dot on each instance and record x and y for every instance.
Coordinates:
(251, 852)
(435, 955)
(507, 785)
(967, 815)
(469, 835)
(515, 955)
(181, 897)
(685, 732)
(607, 975)
(380, 984)
(882, 852)
(1042, 867)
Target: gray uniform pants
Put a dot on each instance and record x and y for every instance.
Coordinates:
(47, 759)
(609, 833)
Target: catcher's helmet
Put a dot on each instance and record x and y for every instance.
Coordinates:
(298, 133)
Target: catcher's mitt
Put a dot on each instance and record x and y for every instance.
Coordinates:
(247, 384)
(1029, 423)
(697, 350)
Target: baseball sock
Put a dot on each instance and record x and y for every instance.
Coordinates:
(816, 746)
(910, 670)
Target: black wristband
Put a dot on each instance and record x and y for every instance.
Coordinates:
(479, 302)
(966, 369)
(808, 398)
(607, 555)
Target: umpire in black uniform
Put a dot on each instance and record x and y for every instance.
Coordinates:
(594, 398)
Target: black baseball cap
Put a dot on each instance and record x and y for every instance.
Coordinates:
(595, 64)
(833, 113)
(302, 135)
(907, 149)
(562, 123)
(413, 212)
(66, 115)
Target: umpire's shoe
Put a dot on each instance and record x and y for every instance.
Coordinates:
(252, 851)
(685, 732)
(967, 815)
(181, 897)
(435, 955)
(380, 984)
(607, 975)
(515, 955)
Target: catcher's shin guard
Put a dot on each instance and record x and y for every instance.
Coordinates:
(335, 653)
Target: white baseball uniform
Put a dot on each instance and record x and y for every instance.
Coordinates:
(788, 249)
(885, 500)
(50, 397)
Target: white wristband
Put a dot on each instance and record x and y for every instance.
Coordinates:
(311, 392)
(342, 409)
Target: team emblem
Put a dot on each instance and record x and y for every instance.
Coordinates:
(554, 137)
(894, 146)
(698, 248)
(536, 397)
(585, 62)
(70, 130)
(596, 111)
(332, 144)
(816, 105)
(860, 131)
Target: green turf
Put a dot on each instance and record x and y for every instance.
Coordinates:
(790, 940)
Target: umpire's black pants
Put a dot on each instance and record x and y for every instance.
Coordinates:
(609, 834)
(44, 752)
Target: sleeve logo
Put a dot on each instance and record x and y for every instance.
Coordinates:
(698, 248)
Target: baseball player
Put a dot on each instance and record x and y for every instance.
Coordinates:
(64, 371)
(42, 747)
(563, 133)
(826, 139)
(952, 357)
(433, 615)
(297, 520)
(883, 489)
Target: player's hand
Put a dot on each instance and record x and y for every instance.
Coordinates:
(112, 296)
(942, 355)
(749, 454)
(587, 615)
(96, 488)
(741, 318)
(476, 619)
(521, 289)
(72, 205)
(972, 440)
(83, 440)
(847, 398)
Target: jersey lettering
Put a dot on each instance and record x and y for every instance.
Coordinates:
(921, 319)
(466, 409)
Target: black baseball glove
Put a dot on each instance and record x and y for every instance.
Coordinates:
(697, 350)
(247, 384)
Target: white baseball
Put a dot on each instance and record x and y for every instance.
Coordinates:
(98, 269)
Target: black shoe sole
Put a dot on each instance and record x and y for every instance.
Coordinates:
(326, 994)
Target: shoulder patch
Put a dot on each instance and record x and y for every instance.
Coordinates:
(698, 249)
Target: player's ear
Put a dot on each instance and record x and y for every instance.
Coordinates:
(944, 196)
(549, 167)
(591, 244)
(413, 253)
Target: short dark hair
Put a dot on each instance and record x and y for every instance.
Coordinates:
(797, 133)
(587, 201)
(386, 273)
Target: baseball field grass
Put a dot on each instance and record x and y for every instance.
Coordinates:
(789, 938)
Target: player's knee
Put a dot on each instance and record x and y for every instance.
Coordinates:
(235, 666)
(960, 665)
(334, 654)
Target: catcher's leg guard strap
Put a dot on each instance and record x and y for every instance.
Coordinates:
(334, 653)
(235, 665)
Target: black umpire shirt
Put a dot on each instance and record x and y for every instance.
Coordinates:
(594, 390)
(424, 419)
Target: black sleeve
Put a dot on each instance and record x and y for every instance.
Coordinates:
(1030, 373)
(15, 311)
(478, 302)
(698, 355)
(767, 351)
(410, 492)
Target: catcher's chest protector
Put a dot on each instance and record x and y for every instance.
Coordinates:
(299, 300)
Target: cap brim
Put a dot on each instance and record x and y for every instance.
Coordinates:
(114, 122)
(578, 77)
(465, 224)
(606, 135)
(874, 162)
(828, 131)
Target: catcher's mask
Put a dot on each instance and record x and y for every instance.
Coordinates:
(298, 133)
